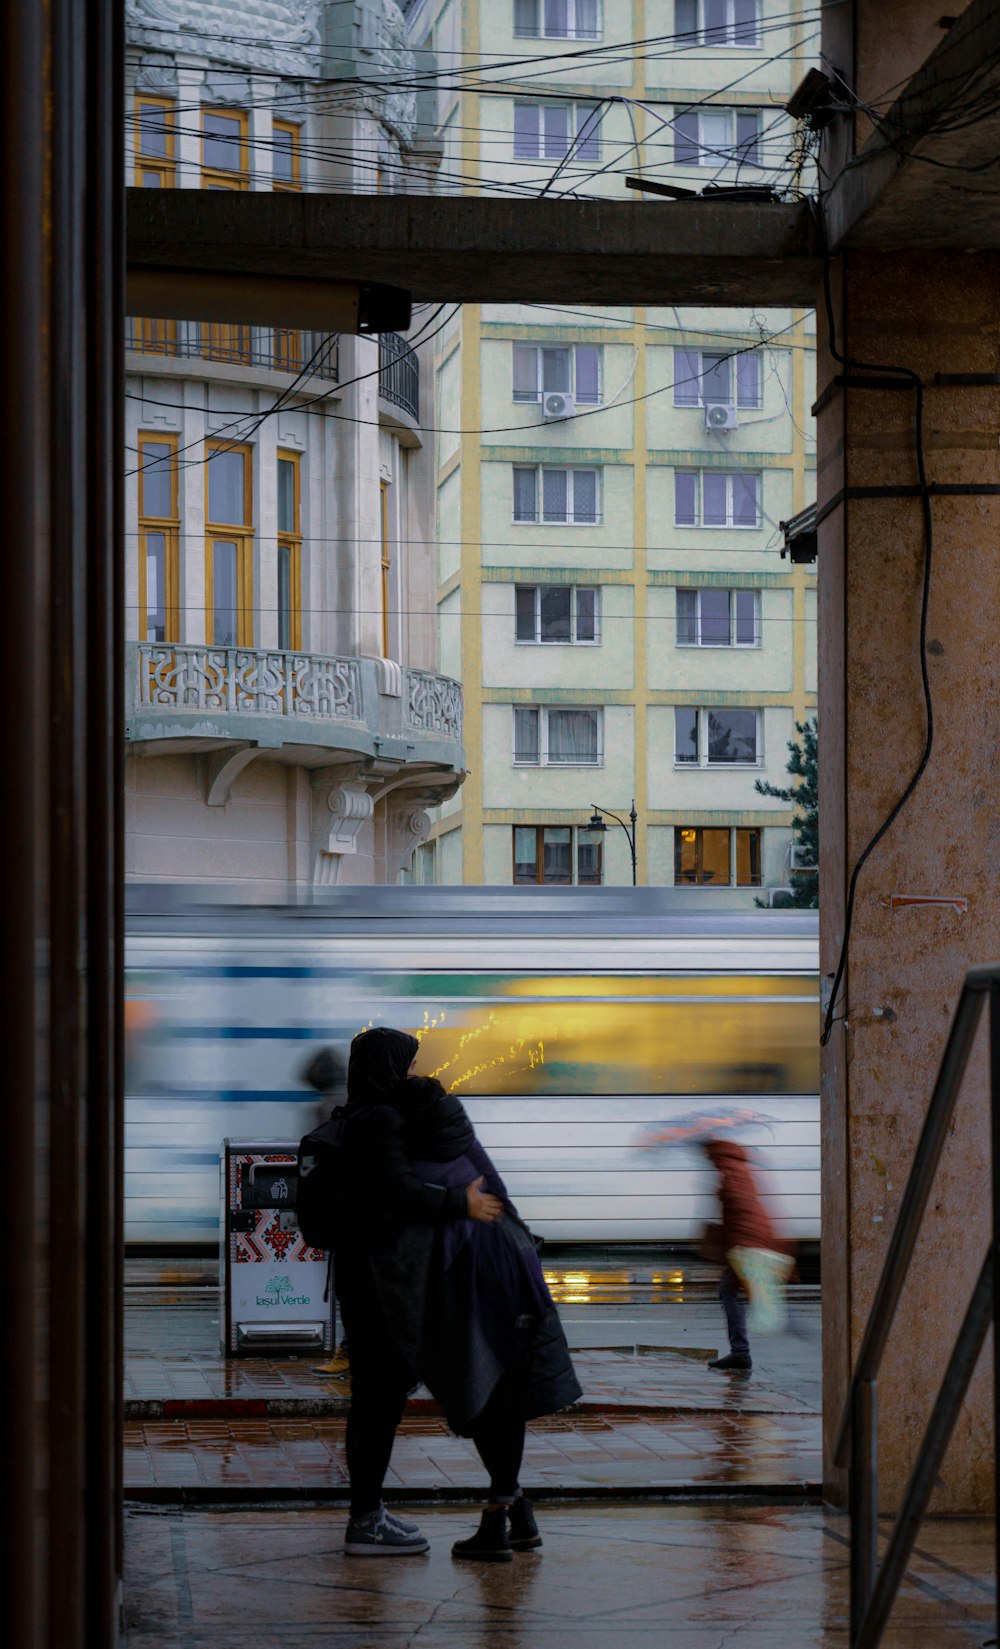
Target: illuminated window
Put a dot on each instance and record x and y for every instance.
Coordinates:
(557, 613)
(286, 153)
(573, 369)
(718, 618)
(702, 376)
(711, 857)
(556, 855)
(155, 162)
(228, 544)
(558, 736)
(721, 737)
(159, 538)
(717, 498)
(289, 552)
(225, 162)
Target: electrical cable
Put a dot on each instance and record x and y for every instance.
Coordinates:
(850, 364)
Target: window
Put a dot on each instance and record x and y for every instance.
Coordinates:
(567, 497)
(557, 612)
(550, 736)
(159, 537)
(576, 370)
(719, 22)
(718, 618)
(715, 136)
(719, 858)
(557, 856)
(228, 543)
(226, 341)
(557, 19)
(286, 155)
(152, 337)
(422, 868)
(548, 131)
(720, 737)
(716, 498)
(224, 149)
(289, 552)
(155, 165)
(704, 375)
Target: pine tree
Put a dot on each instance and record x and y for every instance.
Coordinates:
(803, 764)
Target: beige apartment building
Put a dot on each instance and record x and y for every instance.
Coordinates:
(611, 483)
(288, 726)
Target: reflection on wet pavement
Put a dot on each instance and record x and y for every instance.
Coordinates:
(663, 1577)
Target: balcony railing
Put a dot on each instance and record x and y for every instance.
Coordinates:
(249, 680)
(398, 373)
(198, 689)
(280, 349)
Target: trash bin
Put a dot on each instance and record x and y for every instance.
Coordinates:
(272, 1282)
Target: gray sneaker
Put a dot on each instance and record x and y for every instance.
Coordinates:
(382, 1535)
(399, 1522)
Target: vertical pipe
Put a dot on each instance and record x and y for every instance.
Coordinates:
(864, 1500)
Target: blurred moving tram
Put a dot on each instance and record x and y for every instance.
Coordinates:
(593, 1035)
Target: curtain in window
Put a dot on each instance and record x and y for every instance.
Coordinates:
(687, 377)
(586, 19)
(716, 134)
(524, 602)
(526, 733)
(685, 498)
(588, 374)
(525, 372)
(585, 496)
(525, 495)
(714, 490)
(686, 146)
(525, 853)
(573, 737)
(554, 495)
(557, 19)
(588, 132)
(748, 380)
(526, 118)
(687, 618)
(745, 507)
(557, 854)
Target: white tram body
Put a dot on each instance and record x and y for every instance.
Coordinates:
(593, 1035)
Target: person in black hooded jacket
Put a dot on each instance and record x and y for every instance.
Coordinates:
(382, 1197)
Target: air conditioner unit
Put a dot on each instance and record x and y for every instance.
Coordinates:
(720, 415)
(779, 898)
(798, 858)
(558, 403)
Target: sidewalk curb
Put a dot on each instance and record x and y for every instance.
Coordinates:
(205, 1494)
(332, 1408)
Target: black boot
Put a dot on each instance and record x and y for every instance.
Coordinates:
(524, 1535)
(736, 1362)
(489, 1544)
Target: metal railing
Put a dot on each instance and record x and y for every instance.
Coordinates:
(873, 1585)
(280, 349)
(398, 373)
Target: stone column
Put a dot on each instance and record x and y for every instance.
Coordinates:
(933, 313)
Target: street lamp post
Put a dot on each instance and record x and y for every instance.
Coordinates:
(597, 823)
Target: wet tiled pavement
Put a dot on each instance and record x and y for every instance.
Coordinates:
(611, 1577)
(204, 1427)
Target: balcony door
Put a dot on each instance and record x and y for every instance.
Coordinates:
(229, 544)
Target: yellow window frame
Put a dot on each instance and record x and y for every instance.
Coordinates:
(292, 541)
(233, 532)
(294, 183)
(170, 527)
(235, 178)
(164, 166)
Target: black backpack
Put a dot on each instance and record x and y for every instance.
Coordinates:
(320, 1202)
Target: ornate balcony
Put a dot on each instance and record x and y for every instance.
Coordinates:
(399, 374)
(304, 709)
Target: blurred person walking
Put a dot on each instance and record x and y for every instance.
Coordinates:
(326, 1072)
(756, 1260)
